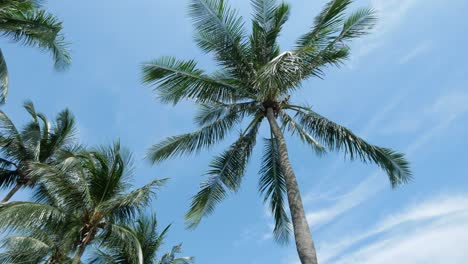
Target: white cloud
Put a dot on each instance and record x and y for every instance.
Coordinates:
(417, 51)
(443, 241)
(437, 208)
(450, 106)
(348, 201)
(391, 14)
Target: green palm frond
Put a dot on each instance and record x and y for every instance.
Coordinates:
(10, 139)
(63, 183)
(3, 79)
(29, 215)
(177, 80)
(225, 172)
(273, 186)
(109, 171)
(208, 113)
(62, 134)
(7, 178)
(269, 17)
(170, 258)
(358, 24)
(326, 24)
(125, 207)
(37, 29)
(195, 141)
(124, 239)
(337, 137)
(23, 249)
(296, 129)
(220, 30)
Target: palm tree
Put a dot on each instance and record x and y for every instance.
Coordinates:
(255, 81)
(145, 229)
(87, 194)
(22, 21)
(36, 142)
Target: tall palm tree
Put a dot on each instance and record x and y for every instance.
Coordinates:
(86, 193)
(145, 229)
(24, 22)
(255, 81)
(38, 141)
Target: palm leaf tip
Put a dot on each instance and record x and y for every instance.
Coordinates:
(396, 166)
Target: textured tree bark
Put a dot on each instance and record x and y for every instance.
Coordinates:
(11, 193)
(304, 244)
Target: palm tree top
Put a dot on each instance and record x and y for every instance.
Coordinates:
(255, 77)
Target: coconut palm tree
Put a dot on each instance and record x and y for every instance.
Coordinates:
(38, 141)
(145, 229)
(22, 21)
(86, 193)
(255, 81)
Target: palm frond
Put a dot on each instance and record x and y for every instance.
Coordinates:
(63, 134)
(109, 169)
(7, 178)
(269, 17)
(124, 207)
(195, 141)
(10, 139)
(273, 187)
(225, 172)
(3, 79)
(123, 238)
(28, 215)
(337, 137)
(176, 80)
(220, 30)
(37, 29)
(326, 24)
(64, 183)
(358, 24)
(210, 112)
(296, 129)
(170, 257)
(23, 249)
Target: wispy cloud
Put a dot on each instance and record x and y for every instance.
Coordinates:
(415, 52)
(391, 13)
(348, 201)
(433, 210)
(450, 106)
(442, 241)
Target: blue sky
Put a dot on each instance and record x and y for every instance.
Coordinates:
(404, 88)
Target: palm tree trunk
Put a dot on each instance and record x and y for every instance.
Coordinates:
(79, 253)
(11, 193)
(304, 244)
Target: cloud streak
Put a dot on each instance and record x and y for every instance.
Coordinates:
(436, 211)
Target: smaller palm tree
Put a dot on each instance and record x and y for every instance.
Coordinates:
(87, 193)
(38, 141)
(22, 21)
(145, 229)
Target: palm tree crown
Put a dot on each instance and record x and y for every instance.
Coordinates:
(22, 21)
(38, 141)
(145, 229)
(87, 195)
(255, 81)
